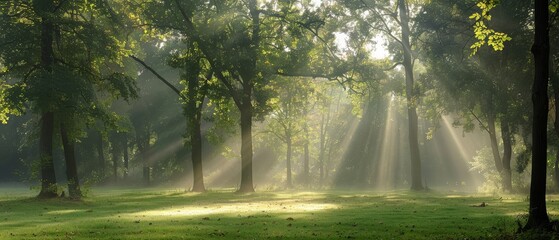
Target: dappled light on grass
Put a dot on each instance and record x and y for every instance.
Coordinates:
(282, 206)
(68, 211)
(170, 213)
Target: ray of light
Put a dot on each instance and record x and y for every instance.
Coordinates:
(465, 147)
(387, 151)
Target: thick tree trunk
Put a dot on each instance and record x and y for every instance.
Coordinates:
(412, 99)
(196, 141)
(289, 182)
(494, 143)
(538, 217)
(246, 144)
(507, 155)
(74, 190)
(194, 118)
(48, 177)
(245, 104)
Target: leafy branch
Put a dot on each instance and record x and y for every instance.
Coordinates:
(484, 34)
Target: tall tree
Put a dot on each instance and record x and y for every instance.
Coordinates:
(538, 217)
(55, 52)
(411, 96)
(230, 35)
(288, 115)
(391, 18)
(488, 88)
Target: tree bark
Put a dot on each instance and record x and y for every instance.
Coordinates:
(538, 217)
(74, 190)
(196, 141)
(507, 155)
(246, 144)
(412, 99)
(494, 143)
(245, 105)
(194, 118)
(48, 177)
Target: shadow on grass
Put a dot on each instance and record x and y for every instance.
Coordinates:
(169, 214)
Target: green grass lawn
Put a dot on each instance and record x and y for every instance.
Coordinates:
(174, 214)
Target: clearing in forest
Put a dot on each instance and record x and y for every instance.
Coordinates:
(174, 214)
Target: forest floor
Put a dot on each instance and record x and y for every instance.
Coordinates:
(175, 214)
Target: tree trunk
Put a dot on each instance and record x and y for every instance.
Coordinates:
(115, 152)
(507, 155)
(196, 141)
(48, 177)
(494, 143)
(289, 182)
(143, 144)
(125, 152)
(101, 154)
(146, 170)
(538, 217)
(412, 99)
(74, 190)
(322, 149)
(306, 157)
(246, 144)
(194, 118)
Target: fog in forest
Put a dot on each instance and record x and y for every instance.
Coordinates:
(291, 119)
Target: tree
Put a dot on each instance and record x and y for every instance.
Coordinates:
(288, 115)
(538, 217)
(390, 20)
(537, 214)
(232, 45)
(487, 88)
(70, 47)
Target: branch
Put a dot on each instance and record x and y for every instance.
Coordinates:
(306, 27)
(386, 27)
(480, 122)
(190, 27)
(310, 75)
(59, 5)
(393, 66)
(159, 77)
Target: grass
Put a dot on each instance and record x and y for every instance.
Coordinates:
(174, 214)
